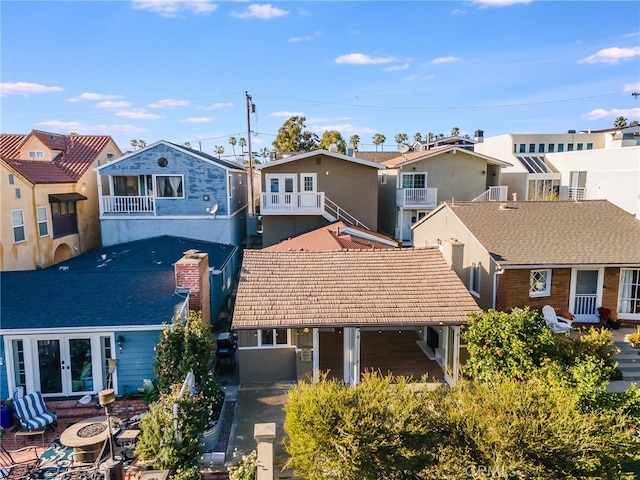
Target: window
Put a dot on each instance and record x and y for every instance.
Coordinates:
(541, 148)
(629, 296)
(551, 148)
(110, 156)
(545, 189)
(230, 186)
(11, 179)
(561, 147)
(581, 146)
(589, 146)
(36, 154)
(272, 338)
(169, 186)
(523, 148)
(540, 283)
(474, 279)
(532, 148)
(383, 179)
(18, 194)
(308, 182)
(569, 147)
(43, 226)
(414, 180)
(17, 219)
(63, 219)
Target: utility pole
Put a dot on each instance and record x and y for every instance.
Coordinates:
(251, 108)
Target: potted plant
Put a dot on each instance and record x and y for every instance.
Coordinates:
(634, 338)
(6, 413)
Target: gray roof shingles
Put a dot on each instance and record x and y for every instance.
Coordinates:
(134, 287)
(349, 288)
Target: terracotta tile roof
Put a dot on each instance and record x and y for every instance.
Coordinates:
(390, 287)
(336, 236)
(553, 232)
(77, 154)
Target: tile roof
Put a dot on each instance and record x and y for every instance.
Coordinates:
(553, 232)
(134, 287)
(391, 287)
(378, 157)
(336, 236)
(77, 154)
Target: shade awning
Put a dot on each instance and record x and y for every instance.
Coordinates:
(65, 197)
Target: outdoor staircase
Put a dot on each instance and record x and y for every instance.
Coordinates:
(628, 361)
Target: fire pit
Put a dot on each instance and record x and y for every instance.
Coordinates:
(87, 436)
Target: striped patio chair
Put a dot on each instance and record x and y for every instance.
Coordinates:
(32, 413)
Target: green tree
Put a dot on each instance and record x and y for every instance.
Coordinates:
(292, 137)
(510, 344)
(401, 138)
(187, 144)
(138, 144)
(634, 123)
(355, 141)
(455, 131)
(417, 137)
(233, 141)
(218, 150)
(620, 122)
(332, 137)
(243, 143)
(379, 139)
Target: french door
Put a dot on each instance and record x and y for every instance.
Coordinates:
(65, 366)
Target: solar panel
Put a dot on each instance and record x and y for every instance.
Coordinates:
(534, 164)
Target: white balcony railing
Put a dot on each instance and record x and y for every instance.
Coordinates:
(126, 204)
(572, 193)
(494, 194)
(303, 203)
(417, 197)
(585, 304)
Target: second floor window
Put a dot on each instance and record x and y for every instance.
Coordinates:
(64, 219)
(169, 186)
(17, 220)
(414, 180)
(43, 226)
(474, 279)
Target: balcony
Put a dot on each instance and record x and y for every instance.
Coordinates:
(417, 197)
(494, 194)
(292, 203)
(572, 193)
(128, 204)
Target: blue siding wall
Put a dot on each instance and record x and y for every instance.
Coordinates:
(135, 362)
(4, 389)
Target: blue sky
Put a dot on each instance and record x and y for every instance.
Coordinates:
(178, 71)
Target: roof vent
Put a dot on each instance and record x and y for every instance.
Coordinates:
(333, 147)
(503, 206)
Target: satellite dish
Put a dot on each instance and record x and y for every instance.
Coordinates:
(403, 148)
(213, 209)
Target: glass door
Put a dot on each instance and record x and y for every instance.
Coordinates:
(65, 365)
(51, 366)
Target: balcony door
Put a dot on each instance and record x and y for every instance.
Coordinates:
(281, 188)
(309, 187)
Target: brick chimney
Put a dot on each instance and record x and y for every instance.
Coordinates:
(192, 272)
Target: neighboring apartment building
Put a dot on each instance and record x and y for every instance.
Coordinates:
(169, 189)
(537, 172)
(415, 183)
(576, 256)
(49, 196)
(309, 190)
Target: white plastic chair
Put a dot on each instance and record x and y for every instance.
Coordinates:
(554, 322)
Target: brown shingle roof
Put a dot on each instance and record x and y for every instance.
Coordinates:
(331, 238)
(554, 232)
(78, 152)
(349, 288)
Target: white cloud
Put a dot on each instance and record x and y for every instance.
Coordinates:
(198, 120)
(362, 59)
(263, 12)
(94, 97)
(499, 3)
(601, 113)
(169, 103)
(449, 59)
(416, 76)
(631, 87)
(612, 55)
(91, 129)
(111, 105)
(395, 68)
(25, 89)
(138, 115)
(458, 11)
(285, 114)
(304, 38)
(217, 106)
(168, 8)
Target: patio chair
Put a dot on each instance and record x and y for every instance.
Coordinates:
(12, 468)
(554, 322)
(32, 412)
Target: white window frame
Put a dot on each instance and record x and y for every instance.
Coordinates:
(314, 182)
(544, 290)
(35, 154)
(627, 298)
(262, 344)
(110, 156)
(157, 193)
(40, 211)
(474, 279)
(18, 223)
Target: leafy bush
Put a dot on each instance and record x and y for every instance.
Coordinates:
(245, 468)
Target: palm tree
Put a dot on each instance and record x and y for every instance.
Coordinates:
(187, 144)
(355, 141)
(378, 139)
(455, 131)
(243, 143)
(620, 122)
(219, 150)
(232, 142)
(429, 137)
(417, 137)
(401, 138)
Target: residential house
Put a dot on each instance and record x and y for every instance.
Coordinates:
(539, 171)
(575, 256)
(441, 141)
(306, 191)
(168, 189)
(415, 183)
(49, 196)
(301, 313)
(63, 326)
(336, 236)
